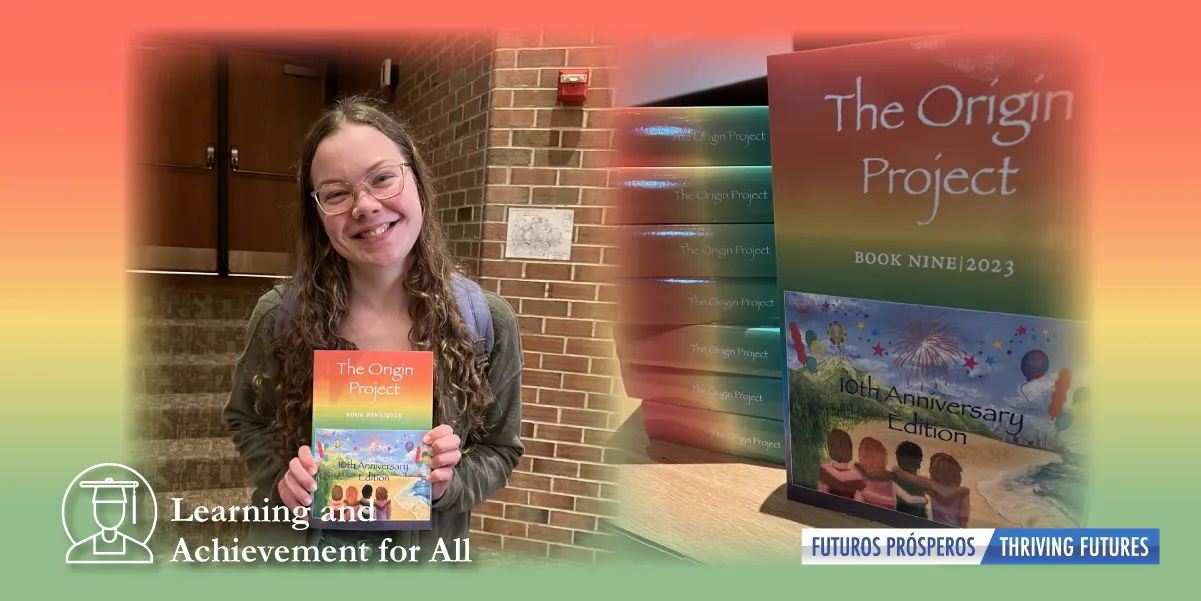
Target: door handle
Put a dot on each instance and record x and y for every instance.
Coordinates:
(210, 156)
(233, 165)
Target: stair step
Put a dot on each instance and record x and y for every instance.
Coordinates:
(198, 297)
(184, 374)
(157, 336)
(193, 464)
(164, 416)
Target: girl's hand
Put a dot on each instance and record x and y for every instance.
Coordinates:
(443, 444)
(296, 488)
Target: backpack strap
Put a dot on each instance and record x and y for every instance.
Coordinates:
(473, 309)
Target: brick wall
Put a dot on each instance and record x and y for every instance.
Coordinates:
(546, 155)
(531, 152)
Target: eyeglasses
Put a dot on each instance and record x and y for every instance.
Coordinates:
(383, 183)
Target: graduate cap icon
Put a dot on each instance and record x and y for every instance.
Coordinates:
(114, 532)
(113, 491)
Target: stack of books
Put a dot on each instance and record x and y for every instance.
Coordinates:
(699, 326)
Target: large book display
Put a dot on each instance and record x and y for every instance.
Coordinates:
(698, 333)
(928, 239)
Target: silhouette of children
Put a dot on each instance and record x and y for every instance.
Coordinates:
(910, 494)
(950, 502)
(838, 477)
(336, 504)
(366, 494)
(351, 513)
(383, 507)
(873, 467)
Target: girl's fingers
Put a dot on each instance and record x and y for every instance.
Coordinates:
(441, 475)
(301, 474)
(445, 460)
(445, 444)
(299, 497)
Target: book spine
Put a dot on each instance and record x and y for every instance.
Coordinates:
(693, 136)
(720, 349)
(724, 250)
(669, 301)
(739, 435)
(694, 195)
(743, 395)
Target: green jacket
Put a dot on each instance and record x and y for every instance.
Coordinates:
(484, 468)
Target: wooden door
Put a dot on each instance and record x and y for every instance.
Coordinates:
(273, 100)
(174, 177)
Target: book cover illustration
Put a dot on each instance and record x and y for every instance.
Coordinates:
(967, 418)
(371, 410)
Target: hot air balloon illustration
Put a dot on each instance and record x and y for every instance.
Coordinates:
(837, 333)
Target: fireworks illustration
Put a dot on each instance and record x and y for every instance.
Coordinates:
(926, 348)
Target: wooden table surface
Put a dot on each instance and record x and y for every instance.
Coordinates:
(710, 507)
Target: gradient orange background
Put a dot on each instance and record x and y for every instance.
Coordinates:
(63, 138)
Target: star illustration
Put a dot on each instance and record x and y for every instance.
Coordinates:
(970, 362)
(826, 307)
(865, 316)
(861, 325)
(1022, 331)
(875, 332)
(1046, 332)
(990, 361)
(1009, 352)
(997, 344)
(879, 350)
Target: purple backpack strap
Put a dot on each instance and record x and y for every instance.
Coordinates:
(473, 308)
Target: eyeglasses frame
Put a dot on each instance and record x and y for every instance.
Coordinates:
(354, 189)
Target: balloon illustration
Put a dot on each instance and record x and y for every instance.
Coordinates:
(811, 364)
(1063, 422)
(818, 348)
(1060, 397)
(1035, 365)
(837, 333)
(797, 343)
(810, 336)
(409, 446)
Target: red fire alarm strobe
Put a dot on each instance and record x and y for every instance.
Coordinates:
(573, 85)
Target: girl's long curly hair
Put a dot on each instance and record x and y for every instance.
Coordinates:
(320, 289)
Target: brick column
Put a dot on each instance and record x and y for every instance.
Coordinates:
(545, 155)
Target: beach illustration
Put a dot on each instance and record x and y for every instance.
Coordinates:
(966, 418)
(371, 479)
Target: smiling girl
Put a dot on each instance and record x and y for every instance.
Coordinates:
(373, 273)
